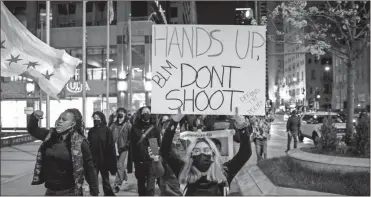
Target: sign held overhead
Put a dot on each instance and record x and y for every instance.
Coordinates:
(208, 69)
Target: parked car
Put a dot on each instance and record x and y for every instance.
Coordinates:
(311, 123)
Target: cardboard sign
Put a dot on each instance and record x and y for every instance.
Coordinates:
(225, 137)
(208, 69)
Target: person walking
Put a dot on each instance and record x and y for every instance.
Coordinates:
(143, 129)
(293, 127)
(103, 150)
(120, 133)
(261, 135)
(123, 143)
(63, 160)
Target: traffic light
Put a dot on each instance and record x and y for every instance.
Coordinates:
(317, 95)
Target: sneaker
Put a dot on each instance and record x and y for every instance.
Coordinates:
(287, 151)
(117, 189)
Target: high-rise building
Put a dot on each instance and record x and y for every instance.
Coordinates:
(361, 84)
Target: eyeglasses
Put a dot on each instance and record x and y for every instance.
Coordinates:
(206, 151)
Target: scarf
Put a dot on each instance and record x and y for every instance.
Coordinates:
(77, 162)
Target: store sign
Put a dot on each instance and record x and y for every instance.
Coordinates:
(93, 88)
(76, 87)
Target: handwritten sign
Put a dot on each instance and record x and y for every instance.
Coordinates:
(208, 69)
(224, 137)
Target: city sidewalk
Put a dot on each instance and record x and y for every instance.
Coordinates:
(17, 165)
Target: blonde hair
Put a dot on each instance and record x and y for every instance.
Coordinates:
(190, 174)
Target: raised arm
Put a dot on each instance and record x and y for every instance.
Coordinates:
(243, 155)
(166, 152)
(89, 169)
(33, 127)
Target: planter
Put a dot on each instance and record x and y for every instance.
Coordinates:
(325, 163)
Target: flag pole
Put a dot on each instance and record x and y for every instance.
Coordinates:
(84, 62)
(107, 59)
(48, 42)
(130, 85)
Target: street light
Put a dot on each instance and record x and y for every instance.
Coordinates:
(327, 68)
(318, 96)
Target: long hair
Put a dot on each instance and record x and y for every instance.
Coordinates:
(101, 116)
(126, 114)
(191, 174)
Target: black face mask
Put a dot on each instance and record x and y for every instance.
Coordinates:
(146, 117)
(120, 115)
(96, 122)
(202, 162)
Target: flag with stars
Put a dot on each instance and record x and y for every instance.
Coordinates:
(23, 54)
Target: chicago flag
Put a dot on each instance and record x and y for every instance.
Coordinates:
(24, 54)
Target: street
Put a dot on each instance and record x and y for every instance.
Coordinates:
(17, 164)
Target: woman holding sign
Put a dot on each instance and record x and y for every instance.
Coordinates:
(202, 171)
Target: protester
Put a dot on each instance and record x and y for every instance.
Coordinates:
(123, 144)
(293, 127)
(202, 170)
(103, 150)
(143, 129)
(121, 129)
(63, 160)
(261, 135)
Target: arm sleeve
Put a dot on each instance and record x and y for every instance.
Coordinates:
(243, 155)
(158, 168)
(288, 124)
(174, 161)
(34, 130)
(89, 169)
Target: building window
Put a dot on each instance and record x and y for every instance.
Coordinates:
(302, 76)
(310, 90)
(298, 76)
(174, 12)
(89, 6)
(309, 61)
(313, 74)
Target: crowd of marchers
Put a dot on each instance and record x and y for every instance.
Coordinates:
(67, 160)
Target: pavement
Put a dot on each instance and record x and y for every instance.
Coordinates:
(17, 164)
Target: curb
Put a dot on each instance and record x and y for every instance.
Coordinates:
(255, 178)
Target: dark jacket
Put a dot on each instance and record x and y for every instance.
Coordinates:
(139, 151)
(103, 148)
(123, 140)
(57, 163)
(169, 184)
(293, 124)
(204, 187)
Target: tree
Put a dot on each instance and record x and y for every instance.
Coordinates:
(339, 27)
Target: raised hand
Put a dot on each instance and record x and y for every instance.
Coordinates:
(39, 114)
(177, 117)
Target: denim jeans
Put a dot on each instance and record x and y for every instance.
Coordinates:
(121, 169)
(261, 146)
(293, 135)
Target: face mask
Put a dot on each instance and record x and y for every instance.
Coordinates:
(146, 117)
(120, 115)
(68, 128)
(96, 122)
(202, 162)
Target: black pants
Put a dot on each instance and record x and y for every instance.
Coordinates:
(107, 189)
(293, 135)
(65, 192)
(146, 178)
